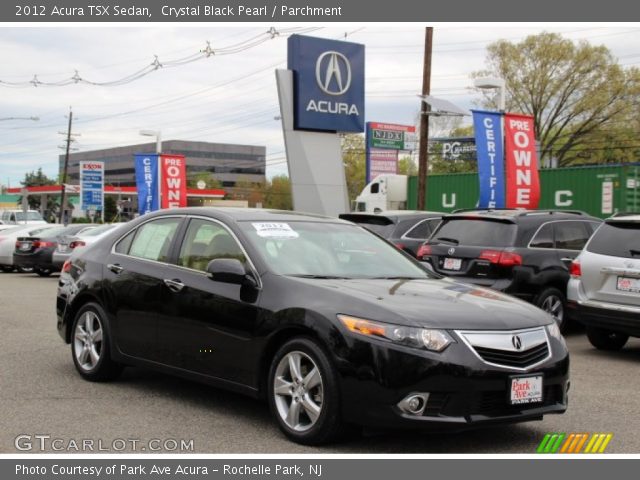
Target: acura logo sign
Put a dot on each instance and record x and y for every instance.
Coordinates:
(333, 73)
(516, 341)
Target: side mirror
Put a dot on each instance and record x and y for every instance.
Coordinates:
(230, 270)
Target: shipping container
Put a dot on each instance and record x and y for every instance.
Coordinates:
(599, 190)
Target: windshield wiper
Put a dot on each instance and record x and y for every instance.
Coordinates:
(452, 241)
(321, 277)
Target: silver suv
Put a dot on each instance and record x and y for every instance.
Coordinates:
(604, 289)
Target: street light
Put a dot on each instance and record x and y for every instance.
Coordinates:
(35, 119)
(490, 83)
(154, 133)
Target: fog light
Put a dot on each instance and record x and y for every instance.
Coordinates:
(414, 403)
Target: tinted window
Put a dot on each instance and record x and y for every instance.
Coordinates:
(206, 241)
(420, 231)
(375, 188)
(544, 237)
(571, 235)
(124, 245)
(472, 232)
(153, 239)
(617, 239)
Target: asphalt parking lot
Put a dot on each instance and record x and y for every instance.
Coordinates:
(41, 394)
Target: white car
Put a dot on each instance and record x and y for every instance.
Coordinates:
(604, 289)
(67, 245)
(18, 217)
(8, 239)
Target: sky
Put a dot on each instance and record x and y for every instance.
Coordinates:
(227, 97)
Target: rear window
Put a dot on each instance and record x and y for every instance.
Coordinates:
(475, 233)
(616, 239)
(383, 226)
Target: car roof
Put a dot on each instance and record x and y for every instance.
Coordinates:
(249, 214)
(393, 215)
(624, 217)
(513, 214)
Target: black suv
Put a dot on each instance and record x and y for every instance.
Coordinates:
(525, 253)
(406, 229)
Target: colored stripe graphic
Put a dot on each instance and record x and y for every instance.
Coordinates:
(574, 443)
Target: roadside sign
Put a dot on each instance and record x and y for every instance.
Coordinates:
(91, 185)
(391, 136)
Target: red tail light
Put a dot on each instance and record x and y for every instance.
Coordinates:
(424, 250)
(43, 244)
(66, 267)
(575, 270)
(18, 244)
(399, 246)
(504, 259)
(76, 244)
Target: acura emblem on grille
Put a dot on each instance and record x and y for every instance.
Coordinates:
(516, 341)
(451, 251)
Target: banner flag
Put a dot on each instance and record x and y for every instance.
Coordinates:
(146, 166)
(488, 134)
(174, 181)
(523, 182)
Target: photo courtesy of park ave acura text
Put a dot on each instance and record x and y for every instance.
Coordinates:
(304, 239)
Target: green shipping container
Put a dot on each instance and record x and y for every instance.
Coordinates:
(599, 190)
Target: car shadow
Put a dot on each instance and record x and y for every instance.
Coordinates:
(521, 438)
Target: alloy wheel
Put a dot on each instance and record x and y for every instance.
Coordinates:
(298, 391)
(88, 341)
(553, 306)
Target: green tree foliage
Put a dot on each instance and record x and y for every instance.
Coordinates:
(38, 179)
(110, 208)
(277, 193)
(578, 94)
(354, 160)
(207, 177)
(406, 166)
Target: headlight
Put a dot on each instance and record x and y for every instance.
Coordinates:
(431, 339)
(554, 331)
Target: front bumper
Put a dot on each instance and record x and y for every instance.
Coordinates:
(464, 392)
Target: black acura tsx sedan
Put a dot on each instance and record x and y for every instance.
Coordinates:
(328, 322)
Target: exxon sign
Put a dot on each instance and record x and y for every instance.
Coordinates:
(328, 84)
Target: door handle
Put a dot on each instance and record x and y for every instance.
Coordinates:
(115, 268)
(174, 285)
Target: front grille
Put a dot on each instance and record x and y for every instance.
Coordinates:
(435, 403)
(522, 359)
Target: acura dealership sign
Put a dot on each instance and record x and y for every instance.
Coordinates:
(328, 84)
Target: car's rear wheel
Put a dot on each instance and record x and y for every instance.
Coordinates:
(90, 345)
(553, 301)
(44, 272)
(303, 393)
(25, 269)
(604, 339)
(7, 268)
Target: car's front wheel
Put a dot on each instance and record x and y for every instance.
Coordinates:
(303, 393)
(605, 339)
(44, 272)
(553, 301)
(90, 345)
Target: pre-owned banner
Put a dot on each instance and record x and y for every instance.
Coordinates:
(488, 132)
(147, 183)
(523, 182)
(174, 181)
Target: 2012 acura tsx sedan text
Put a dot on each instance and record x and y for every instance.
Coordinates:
(327, 321)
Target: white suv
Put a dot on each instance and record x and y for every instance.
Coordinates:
(604, 289)
(18, 217)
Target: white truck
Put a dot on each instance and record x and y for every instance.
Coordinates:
(19, 217)
(385, 192)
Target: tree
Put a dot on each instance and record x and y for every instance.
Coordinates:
(573, 91)
(207, 177)
(110, 208)
(278, 193)
(38, 179)
(354, 160)
(406, 166)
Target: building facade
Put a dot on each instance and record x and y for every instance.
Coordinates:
(227, 163)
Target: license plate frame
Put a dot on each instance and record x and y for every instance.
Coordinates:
(25, 246)
(453, 264)
(536, 380)
(634, 286)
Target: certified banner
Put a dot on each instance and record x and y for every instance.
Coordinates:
(488, 132)
(523, 182)
(147, 183)
(174, 181)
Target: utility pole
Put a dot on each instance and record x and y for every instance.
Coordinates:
(67, 148)
(423, 153)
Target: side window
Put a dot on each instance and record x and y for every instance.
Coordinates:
(544, 237)
(420, 231)
(571, 235)
(375, 188)
(592, 227)
(433, 223)
(206, 241)
(124, 244)
(153, 239)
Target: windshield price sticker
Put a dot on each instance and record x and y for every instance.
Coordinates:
(274, 230)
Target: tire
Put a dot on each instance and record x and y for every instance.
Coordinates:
(7, 269)
(92, 357)
(606, 339)
(43, 272)
(25, 269)
(322, 399)
(554, 302)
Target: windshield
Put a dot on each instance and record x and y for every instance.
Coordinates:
(474, 233)
(31, 216)
(328, 250)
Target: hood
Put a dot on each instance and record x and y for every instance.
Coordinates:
(432, 303)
